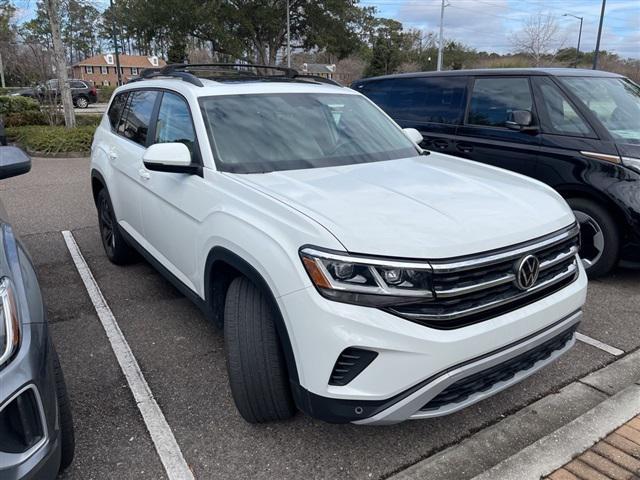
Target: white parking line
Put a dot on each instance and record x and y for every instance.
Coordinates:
(170, 454)
(598, 344)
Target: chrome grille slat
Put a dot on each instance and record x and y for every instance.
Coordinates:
(571, 270)
(470, 290)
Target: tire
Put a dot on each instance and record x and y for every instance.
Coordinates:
(115, 246)
(82, 102)
(67, 436)
(255, 362)
(599, 237)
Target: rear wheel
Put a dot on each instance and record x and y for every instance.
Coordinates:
(255, 362)
(67, 436)
(115, 246)
(599, 237)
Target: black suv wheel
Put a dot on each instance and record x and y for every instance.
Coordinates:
(82, 102)
(599, 237)
(255, 362)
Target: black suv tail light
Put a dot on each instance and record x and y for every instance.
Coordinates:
(350, 363)
(21, 423)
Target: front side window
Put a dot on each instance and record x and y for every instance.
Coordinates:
(174, 122)
(257, 133)
(116, 108)
(134, 122)
(615, 101)
(558, 115)
(494, 99)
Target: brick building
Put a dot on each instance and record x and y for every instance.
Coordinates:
(101, 69)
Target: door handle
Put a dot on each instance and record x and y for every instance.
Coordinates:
(144, 175)
(464, 147)
(441, 144)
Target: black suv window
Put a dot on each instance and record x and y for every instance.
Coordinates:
(78, 85)
(493, 100)
(429, 99)
(174, 122)
(116, 108)
(136, 117)
(378, 92)
(558, 115)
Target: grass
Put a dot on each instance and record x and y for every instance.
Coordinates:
(52, 141)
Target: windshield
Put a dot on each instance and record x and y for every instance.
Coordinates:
(286, 131)
(615, 101)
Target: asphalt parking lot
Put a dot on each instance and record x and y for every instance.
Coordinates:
(182, 359)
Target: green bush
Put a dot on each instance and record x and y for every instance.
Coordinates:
(88, 120)
(17, 104)
(104, 94)
(20, 119)
(46, 140)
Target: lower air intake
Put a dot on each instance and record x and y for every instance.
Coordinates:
(350, 363)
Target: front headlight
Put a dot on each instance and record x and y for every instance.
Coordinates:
(633, 163)
(9, 321)
(367, 281)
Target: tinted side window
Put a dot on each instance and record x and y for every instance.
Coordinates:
(557, 115)
(429, 99)
(116, 108)
(378, 92)
(174, 122)
(493, 100)
(78, 85)
(137, 116)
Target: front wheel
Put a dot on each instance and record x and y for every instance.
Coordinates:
(255, 362)
(599, 237)
(82, 102)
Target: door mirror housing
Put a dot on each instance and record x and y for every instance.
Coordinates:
(521, 120)
(169, 157)
(414, 135)
(13, 162)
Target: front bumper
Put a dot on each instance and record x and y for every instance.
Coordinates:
(414, 363)
(31, 371)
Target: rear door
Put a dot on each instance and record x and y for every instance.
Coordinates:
(484, 136)
(432, 105)
(125, 155)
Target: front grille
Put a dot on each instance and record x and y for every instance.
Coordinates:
(474, 289)
(350, 363)
(483, 381)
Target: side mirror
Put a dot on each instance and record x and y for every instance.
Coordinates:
(169, 157)
(13, 162)
(414, 135)
(520, 120)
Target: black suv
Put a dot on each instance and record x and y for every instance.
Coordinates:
(575, 130)
(83, 93)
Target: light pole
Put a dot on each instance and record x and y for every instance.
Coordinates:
(579, 36)
(595, 54)
(288, 35)
(441, 42)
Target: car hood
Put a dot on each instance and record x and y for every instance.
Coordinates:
(434, 206)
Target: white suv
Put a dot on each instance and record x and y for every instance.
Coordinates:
(357, 277)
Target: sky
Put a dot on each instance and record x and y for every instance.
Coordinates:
(490, 24)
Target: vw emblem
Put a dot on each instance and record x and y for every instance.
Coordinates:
(527, 270)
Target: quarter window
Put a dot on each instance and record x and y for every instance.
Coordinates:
(429, 99)
(494, 99)
(134, 123)
(174, 124)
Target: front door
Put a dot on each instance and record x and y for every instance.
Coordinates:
(484, 136)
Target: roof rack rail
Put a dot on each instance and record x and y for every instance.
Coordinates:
(186, 72)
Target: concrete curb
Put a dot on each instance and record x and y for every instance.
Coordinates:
(553, 451)
(489, 448)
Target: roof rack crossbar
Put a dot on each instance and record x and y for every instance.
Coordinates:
(150, 73)
(288, 72)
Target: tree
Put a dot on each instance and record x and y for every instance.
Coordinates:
(539, 37)
(390, 49)
(7, 32)
(53, 9)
